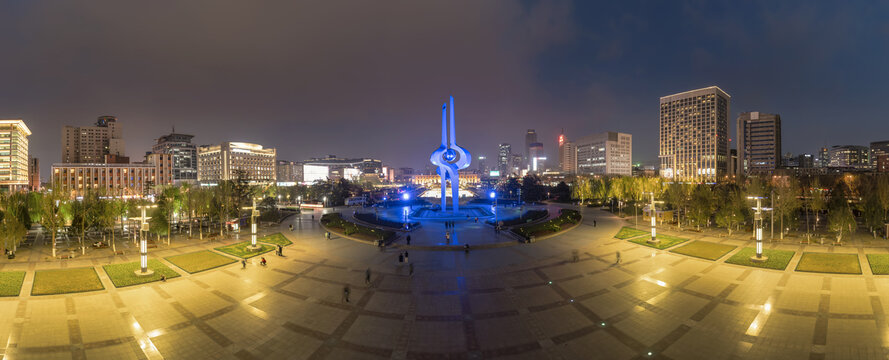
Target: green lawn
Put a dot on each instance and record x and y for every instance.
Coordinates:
(628, 232)
(63, 281)
(199, 261)
(11, 282)
(879, 263)
(240, 249)
(665, 241)
(704, 250)
(778, 259)
(829, 263)
(275, 239)
(124, 274)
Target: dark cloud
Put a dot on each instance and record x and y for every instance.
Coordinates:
(366, 78)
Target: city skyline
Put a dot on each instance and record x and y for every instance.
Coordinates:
(541, 65)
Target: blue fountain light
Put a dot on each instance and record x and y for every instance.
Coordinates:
(406, 196)
(492, 195)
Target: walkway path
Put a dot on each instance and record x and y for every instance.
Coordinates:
(520, 302)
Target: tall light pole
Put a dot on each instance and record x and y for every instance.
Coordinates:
(324, 200)
(253, 213)
(143, 242)
(652, 212)
(757, 228)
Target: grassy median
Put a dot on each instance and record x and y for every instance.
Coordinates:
(665, 241)
(777, 259)
(64, 281)
(829, 263)
(704, 250)
(628, 232)
(11, 282)
(125, 274)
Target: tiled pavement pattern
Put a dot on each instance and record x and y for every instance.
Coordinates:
(520, 302)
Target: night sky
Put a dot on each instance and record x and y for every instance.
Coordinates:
(318, 77)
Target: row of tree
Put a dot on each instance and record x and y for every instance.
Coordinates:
(845, 200)
(192, 206)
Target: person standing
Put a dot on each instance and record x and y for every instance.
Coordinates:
(243, 264)
(346, 292)
(411, 269)
(400, 258)
(408, 239)
(405, 256)
(367, 276)
(618, 257)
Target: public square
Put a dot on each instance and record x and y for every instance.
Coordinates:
(525, 301)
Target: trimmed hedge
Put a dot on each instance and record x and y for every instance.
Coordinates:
(336, 221)
(566, 218)
(528, 216)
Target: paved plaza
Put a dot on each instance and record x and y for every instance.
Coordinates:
(526, 301)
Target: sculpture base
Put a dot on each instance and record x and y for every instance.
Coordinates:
(759, 259)
(148, 272)
(653, 241)
(254, 247)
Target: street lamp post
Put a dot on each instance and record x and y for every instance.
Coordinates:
(757, 228)
(143, 243)
(653, 215)
(253, 213)
(324, 200)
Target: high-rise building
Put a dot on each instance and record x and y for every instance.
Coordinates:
(536, 157)
(879, 155)
(337, 166)
(607, 153)
(482, 165)
(530, 138)
(516, 164)
(759, 142)
(224, 162)
(823, 158)
(693, 135)
(135, 179)
(14, 154)
(289, 171)
(567, 155)
(185, 155)
(805, 161)
(90, 144)
(852, 157)
(503, 158)
(33, 174)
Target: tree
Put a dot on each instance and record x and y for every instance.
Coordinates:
(702, 205)
(561, 192)
(731, 208)
(107, 217)
(14, 219)
(787, 201)
(677, 197)
(580, 189)
(872, 214)
(158, 223)
(170, 200)
(532, 190)
(52, 213)
(223, 202)
(881, 192)
(840, 219)
(817, 200)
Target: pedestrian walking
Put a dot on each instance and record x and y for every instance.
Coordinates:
(466, 248)
(405, 256)
(594, 222)
(400, 258)
(410, 269)
(327, 235)
(367, 276)
(618, 257)
(346, 292)
(243, 264)
(313, 216)
(408, 239)
(280, 250)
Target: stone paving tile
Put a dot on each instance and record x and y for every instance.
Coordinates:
(610, 304)
(804, 282)
(232, 325)
(491, 302)
(310, 315)
(189, 343)
(596, 345)
(708, 285)
(680, 305)
(373, 332)
(389, 303)
(850, 332)
(439, 337)
(120, 351)
(705, 344)
(321, 290)
(850, 304)
(45, 324)
(150, 310)
(344, 354)
(536, 296)
(286, 345)
(799, 300)
(502, 332)
(647, 327)
(438, 305)
(560, 320)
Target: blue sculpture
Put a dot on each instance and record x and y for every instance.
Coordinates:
(450, 159)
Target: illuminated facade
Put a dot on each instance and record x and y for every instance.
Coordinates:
(567, 155)
(759, 142)
(185, 155)
(466, 178)
(503, 159)
(608, 153)
(851, 157)
(14, 154)
(694, 135)
(134, 179)
(879, 156)
(90, 144)
(223, 162)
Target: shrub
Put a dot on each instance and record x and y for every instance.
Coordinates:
(566, 218)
